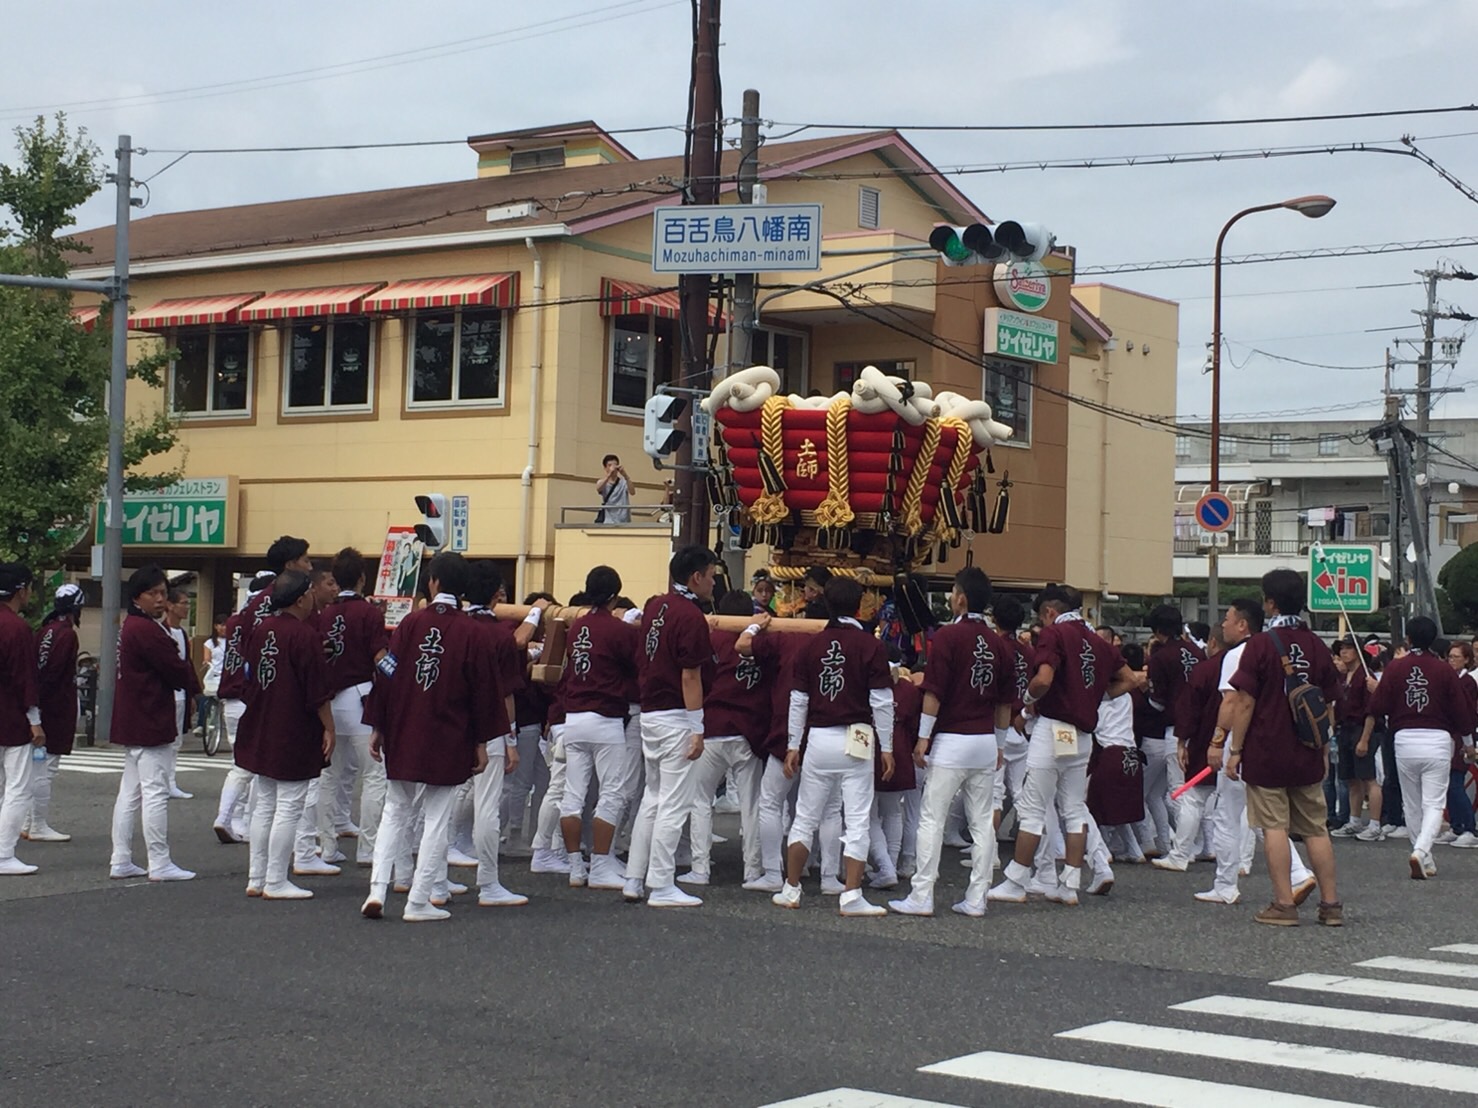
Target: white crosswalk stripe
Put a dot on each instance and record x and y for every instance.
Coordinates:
(1259, 1044)
(109, 759)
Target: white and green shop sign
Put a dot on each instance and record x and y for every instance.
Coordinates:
(1018, 335)
(195, 512)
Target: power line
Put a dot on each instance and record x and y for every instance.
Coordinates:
(466, 44)
(1144, 126)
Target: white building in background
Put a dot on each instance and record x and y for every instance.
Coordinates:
(1294, 483)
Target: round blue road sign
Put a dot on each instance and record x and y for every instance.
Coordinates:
(1214, 512)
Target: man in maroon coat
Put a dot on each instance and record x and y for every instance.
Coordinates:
(20, 713)
(56, 668)
(429, 710)
(1285, 778)
(287, 733)
(145, 724)
(1075, 670)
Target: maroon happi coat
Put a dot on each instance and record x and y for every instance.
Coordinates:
(56, 672)
(436, 709)
(838, 669)
(18, 685)
(508, 666)
(908, 708)
(780, 651)
(1272, 756)
(150, 669)
(675, 637)
(355, 632)
(281, 735)
(1083, 667)
(971, 671)
(600, 664)
(258, 607)
(739, 702)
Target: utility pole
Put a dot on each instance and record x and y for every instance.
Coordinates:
(1398, 594)
(1424, 383)
(700, 188)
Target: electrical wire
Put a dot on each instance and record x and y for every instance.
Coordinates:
(1253, 350)
(1143, 126)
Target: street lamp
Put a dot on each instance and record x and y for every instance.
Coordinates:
(1311, 206)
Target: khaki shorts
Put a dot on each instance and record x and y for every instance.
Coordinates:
(1299, 811)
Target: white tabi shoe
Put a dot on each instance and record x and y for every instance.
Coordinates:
(853, 903)
(177, 793)
(969, 908)
(14, 867)
(579, 871)
(126, 872)
(286, 891)
(883, 879)
(374, 904)
(789, 896)
(335, 857)
(171, 872)
(633, 890)
(47, 834)
(830, 886)
(1102, 883)
(314, 867)
(671, 897)
(460, 858)
(1007, 892)
(1211, 896)
(1065, 896)
(765, 883)
(496, 896)
(692, 877)
(549, 861)
(348, 831)
(912, 906)
(226, 835)
(605, 873)
(424, 913)
(1169, 864)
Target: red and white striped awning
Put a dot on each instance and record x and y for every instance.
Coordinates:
(629, 298)
(86, 318)
(485, 290)
(191, 311)
(309, 303)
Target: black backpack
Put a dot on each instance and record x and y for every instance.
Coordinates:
(1313, 716)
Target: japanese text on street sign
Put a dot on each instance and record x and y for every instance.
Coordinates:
(729, 238)
(198, 511)
(702, 433)
(460, 514)
(1017, 335)
(1343, 575)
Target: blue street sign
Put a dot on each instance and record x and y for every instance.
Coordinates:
(1214, 512)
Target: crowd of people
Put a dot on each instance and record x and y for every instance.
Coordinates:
(837, 758)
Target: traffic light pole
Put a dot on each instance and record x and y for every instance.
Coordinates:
(700, 188)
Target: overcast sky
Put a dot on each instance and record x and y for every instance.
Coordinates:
(190, 74)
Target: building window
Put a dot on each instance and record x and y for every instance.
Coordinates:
(329, 365)
(1007, 388)
(213, 373)
(1328, 446)
(1227, 448)
(456, 358)
(641, 358)
(869, 207)
(1182, 446)
(1281, 444)
(845, 374)
(548, 157)
(784, 352)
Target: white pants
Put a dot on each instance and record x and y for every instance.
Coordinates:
(774, 788)
(886, 832)
(336, 784)
(912, 802)
(42, 775)
(1052, 778)
(487, 803)
(721, 757)
(15, 802)
(603, 761)
(393, 840)
(668, 800)
(530, 776)
(546, 827)
(145, 786)
(634, 771)
(1014, 775)
(826, 771)
(1190, 810)
(274, 830)
(978, 787)
(371, 797)
(1158, 753)
(1235, 843)
(1095, 849)
(305, 848)
(236, 789)
(1424, 780)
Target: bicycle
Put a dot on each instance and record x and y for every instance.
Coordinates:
(215, 727)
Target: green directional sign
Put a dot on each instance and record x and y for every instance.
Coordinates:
(1347, 575)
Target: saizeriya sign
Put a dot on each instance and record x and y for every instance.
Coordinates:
(1016, 335)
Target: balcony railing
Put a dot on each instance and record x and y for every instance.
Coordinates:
(642, 515)
(1246, 546)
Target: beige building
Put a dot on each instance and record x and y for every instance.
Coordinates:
(1120, 537)
(494, 337)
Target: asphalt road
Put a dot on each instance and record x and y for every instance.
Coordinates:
(125, 993)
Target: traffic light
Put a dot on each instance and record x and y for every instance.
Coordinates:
(978, 244)
(659, 437)
(433, 509)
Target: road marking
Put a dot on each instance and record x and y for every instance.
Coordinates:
(1457, 948)
(1385, 990)
(856, 1098)
(1432, 967)
(1106, 1083)
(1429, 1028)
(1294, 1056)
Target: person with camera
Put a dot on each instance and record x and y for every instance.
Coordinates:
(614, 490)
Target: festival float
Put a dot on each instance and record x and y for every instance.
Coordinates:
(875, 483)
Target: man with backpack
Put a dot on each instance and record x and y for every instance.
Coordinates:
(1281, 718)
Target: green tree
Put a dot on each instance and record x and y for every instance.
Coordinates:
(1459, 580)
(53, 374)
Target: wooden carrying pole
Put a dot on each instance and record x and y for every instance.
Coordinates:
(517, 612)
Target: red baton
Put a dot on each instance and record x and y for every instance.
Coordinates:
(1192, 783)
